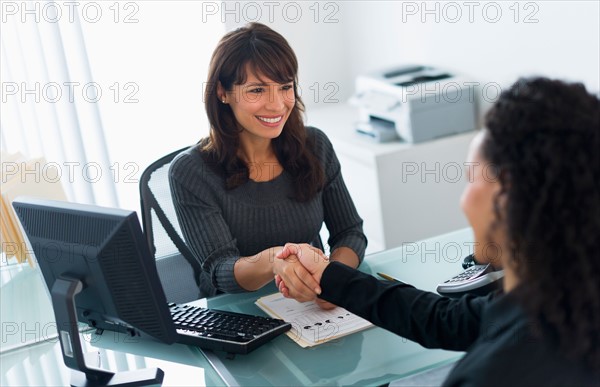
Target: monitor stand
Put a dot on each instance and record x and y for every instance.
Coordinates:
(63, 300)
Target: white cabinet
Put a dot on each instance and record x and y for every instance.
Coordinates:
(404, 192)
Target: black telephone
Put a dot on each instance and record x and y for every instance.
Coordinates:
(476, 279)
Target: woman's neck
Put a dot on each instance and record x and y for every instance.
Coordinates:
(256, 150)
(510, 280)
(260, 158)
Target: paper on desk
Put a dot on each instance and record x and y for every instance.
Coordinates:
(20, 181)
(311, 325)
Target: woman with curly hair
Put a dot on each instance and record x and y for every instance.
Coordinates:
(533, 201)
(262, 178)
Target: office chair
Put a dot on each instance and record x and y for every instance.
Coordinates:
(178, 269)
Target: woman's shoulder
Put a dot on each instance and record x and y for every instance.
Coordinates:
(185, 159)
(319, 143)
(192, 162)
(316, 134)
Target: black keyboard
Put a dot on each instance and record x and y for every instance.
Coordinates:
(224, 331)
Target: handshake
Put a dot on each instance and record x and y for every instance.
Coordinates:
(298, 269)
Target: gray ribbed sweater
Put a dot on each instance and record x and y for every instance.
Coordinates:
(220, 225)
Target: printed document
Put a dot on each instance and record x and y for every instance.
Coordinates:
(311, 325)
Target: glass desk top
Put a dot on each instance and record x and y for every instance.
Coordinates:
(42, 364)
(371, 357)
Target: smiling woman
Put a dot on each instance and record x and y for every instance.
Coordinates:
(253, 74)
(261, 107)
(262, 179)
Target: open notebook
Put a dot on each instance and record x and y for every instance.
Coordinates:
(311, 325)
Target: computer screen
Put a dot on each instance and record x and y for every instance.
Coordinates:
(104, 248)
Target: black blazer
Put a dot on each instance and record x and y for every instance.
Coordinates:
(493, 330)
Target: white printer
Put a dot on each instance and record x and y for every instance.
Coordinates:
(413, 104)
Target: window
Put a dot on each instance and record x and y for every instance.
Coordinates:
(101, 89)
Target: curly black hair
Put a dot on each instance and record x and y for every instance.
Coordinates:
(543, 136)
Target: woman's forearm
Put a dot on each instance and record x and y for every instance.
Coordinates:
(254, 272)
(346, 256)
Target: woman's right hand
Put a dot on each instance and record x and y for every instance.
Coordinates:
(307, 256)
(298, 280)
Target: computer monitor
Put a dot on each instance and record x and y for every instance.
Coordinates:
(98, 270)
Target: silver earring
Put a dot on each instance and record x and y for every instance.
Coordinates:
(223, 101)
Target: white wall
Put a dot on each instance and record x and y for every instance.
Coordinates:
(552, 38)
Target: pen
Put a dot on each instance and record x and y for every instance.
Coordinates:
(390, 278)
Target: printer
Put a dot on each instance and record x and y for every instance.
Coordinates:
(413, 103)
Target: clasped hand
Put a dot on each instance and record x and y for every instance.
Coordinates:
(298, 272)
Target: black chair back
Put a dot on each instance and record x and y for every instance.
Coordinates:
(178, 268)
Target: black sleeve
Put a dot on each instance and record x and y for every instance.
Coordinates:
(424, 317)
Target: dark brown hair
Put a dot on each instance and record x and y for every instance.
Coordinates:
(544, 136)
(259, 49)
